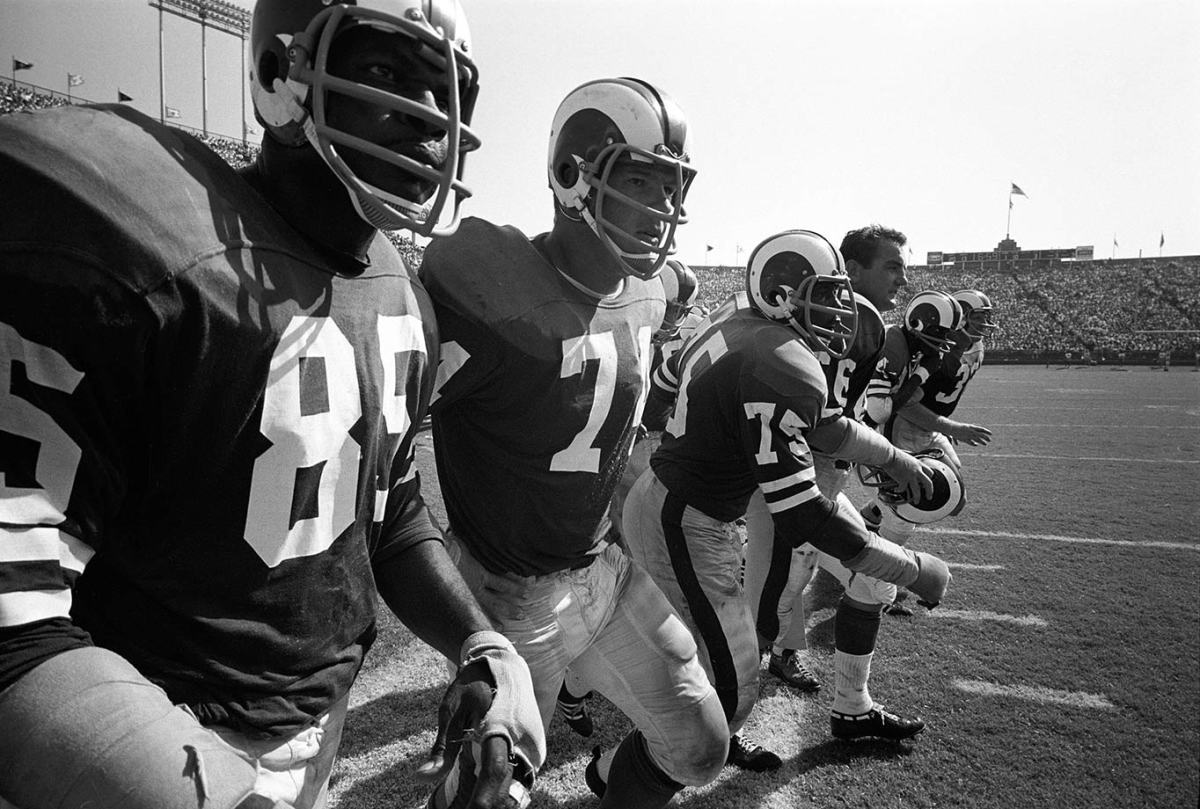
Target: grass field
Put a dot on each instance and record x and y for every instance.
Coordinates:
(1063, 670)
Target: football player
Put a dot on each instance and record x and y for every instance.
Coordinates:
(681, 288)
(749, 395)
(922, 420)
(545, 364)
(775, 580)
(211, 385)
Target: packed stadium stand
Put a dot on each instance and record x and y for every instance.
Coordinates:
(1052, 308)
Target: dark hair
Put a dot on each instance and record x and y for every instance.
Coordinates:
(861, 245)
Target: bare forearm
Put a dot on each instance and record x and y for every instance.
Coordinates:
(427, 593)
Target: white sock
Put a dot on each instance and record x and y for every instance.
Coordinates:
(851, 673)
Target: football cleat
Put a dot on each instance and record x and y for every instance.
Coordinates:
(874, 724)
(791, 669)
(898, 608)
(750, 756)
(591, 774)
(574, 712)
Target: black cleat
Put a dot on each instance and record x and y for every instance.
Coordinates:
(574, 712)
(591, 774)
(750, 756)
(874, 724)
(898, 609)
(791, 669)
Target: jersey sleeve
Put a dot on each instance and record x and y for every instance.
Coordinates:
(72, 358)
(469, 355)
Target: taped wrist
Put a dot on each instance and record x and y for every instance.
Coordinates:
(865, 446)
(513, 714)
(886, 561)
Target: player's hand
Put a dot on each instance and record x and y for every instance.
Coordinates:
(491, 707)
(933, 579)
(972, 435)
(464, 705)
(913, 481)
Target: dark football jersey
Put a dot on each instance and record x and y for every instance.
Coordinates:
(201, 415)
(539, 394)
(846, 379)
(904, 364)
(747, 391)
(948, 381)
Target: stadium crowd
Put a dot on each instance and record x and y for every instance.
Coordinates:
(1100, 310)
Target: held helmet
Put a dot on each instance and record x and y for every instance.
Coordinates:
(599, 124)
(290, 85)
(797, 277)
(949, 493)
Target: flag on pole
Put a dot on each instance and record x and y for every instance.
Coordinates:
(1115, 244)
(708, 248)
(1161, 239)
(74, 80)
(173, 113)
(1016, 189)
(123, 96)
(19, 65)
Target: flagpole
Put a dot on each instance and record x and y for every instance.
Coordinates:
(1008, 225)
(68, 88)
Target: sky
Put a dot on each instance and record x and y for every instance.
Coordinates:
(826, 115)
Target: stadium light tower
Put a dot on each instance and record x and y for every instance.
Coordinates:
(222, 16)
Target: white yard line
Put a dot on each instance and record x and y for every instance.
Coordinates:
(1175, 546)
(1076, 458)
(1032, 693)
(1122, 427)
(984, 615)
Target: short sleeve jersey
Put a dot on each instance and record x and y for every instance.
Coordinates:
(539, 394)
(948, 381)
(748, 391)
(206, 430)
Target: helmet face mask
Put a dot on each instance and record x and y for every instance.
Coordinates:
(932, 317)
(949, 493)
(797, 277)
(978, 313)
(604, 131)
(294, 92)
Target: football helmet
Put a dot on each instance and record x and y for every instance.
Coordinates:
(949, 493)
(601, 123)
(682, 288)
(797, 277)
(978, 314)
(933, 317)
(290, 85)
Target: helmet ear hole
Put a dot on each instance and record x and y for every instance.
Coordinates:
(567, 173)
(268, 69)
